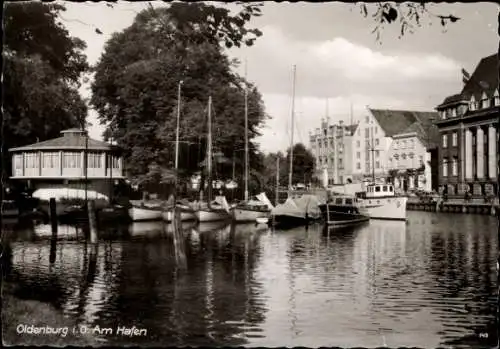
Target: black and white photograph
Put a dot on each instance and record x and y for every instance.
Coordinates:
(250, 174)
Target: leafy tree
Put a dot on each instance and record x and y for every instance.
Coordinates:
(137, 80)
(409, 15)
(303, 167)
(303, 164)
(41, 71)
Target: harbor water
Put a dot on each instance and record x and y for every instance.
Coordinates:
(430, 282)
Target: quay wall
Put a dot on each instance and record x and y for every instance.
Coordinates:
(455, 207)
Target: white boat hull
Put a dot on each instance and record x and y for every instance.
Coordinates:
(245, 215)
(207, 215)
(185, 216)
(144, 214)
(386, 208)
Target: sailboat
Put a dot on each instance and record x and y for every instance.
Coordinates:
(260, 207)
(186, 211)
(218, 209)
(299, 209)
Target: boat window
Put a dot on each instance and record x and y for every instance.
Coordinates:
(377, 189)
(338, 201)
(385, 188)
(348, 201)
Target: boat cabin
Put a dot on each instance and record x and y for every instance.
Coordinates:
(379, 190)
(343, 200)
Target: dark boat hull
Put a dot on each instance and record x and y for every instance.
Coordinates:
(342, 215)
(284, 221)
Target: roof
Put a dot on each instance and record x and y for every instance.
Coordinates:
(397, 121)
(452, 99)
(484, 79)
(426, 131)
(72, 139)
(353, 128)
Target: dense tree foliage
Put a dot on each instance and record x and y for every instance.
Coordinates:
(42, 68)
(137, 79)
(303, 167)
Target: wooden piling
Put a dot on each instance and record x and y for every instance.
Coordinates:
(180, 254)
(53, 216)
(92, 221)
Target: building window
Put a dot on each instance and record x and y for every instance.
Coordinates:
(94, 160)
(116, 161)
(421, 160)
(31, 160)
(445, 140)
(496, 98)
(377, 153)
(396, 144)
(50, 160)
(443, 114)
(358, 155)
(454, 141)
(445, 167)
(331, 143)
(72, 160)
(358, 166)
(454, 166)
(367, 133)
(453, 112)
(412, 143)
(403, 156)
(340, 164)
(18, 162)
(485, 102)
(377, 141)
(377, 164)
(472, 104)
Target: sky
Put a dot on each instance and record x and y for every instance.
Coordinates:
(340, 66)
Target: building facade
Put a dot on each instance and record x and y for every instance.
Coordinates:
(468, 127)
(328, 146)
(60, 163)
(409, 137)
(369, 148)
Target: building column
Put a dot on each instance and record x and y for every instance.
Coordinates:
(468, 154)
(60, 163)
(492, 152)
(82, 164)
(480, 152)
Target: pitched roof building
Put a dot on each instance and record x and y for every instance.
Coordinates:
(395, 122)
(468, 127)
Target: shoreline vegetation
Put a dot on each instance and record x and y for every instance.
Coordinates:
(16, 311)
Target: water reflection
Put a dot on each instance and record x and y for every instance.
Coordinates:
(136, 282)
(425, 283)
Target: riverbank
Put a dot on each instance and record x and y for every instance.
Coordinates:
(36, 315)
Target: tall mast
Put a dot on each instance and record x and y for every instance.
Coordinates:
(277, 179)
(177, 137)
(352, 116)
(290, 173)
(373, 157)
(209, 150)
(246, 135)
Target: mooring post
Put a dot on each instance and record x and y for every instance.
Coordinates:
(92, 222)
(53, 216)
